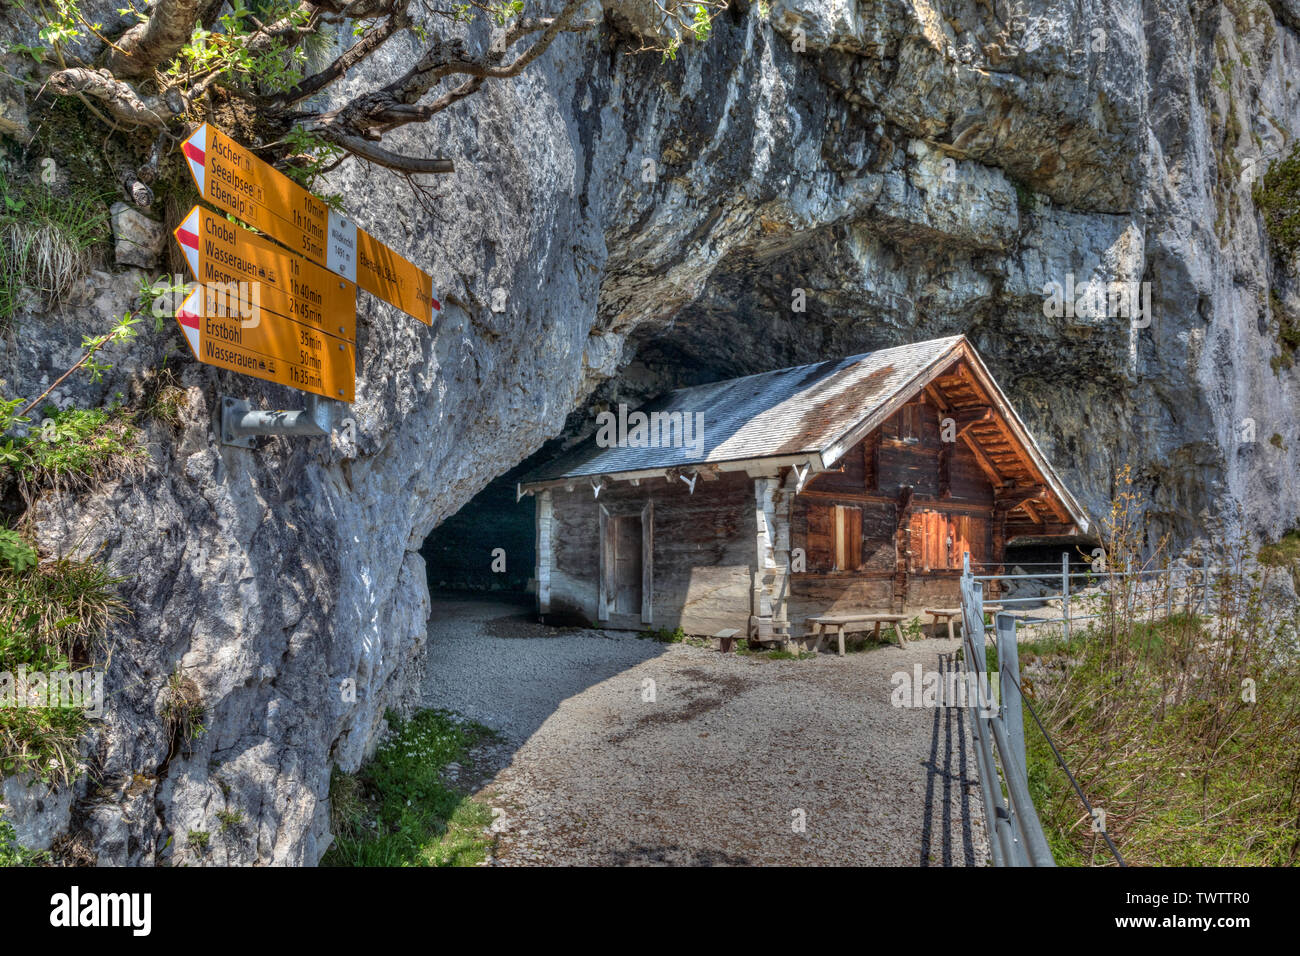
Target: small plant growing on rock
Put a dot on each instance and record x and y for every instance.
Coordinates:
(164, 399)
(182, 710)
(228, 820)
(14, 854)
(53, 616)
(75, 448)
(15, 553)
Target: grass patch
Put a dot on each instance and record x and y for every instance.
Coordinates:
(1181, 731)
(53, 617)
(182, 711)
(1187, 772)
(74, 448)
(45, 242)
(398, 811)
(164, 400)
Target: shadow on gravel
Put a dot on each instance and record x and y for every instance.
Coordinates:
(489, 659)
(948, 782)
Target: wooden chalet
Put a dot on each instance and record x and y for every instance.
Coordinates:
(848, 486)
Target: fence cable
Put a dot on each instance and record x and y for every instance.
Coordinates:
(1061, 760)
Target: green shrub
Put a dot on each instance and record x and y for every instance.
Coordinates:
(665, 636)
(1277, 197)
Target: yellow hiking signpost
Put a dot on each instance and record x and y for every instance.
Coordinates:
(229, 176)
(225, 256)
(268, 346)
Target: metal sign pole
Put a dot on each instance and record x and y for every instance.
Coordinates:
(241, 423)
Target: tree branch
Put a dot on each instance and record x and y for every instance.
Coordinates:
(398, 20)
(397, 103)
(374, 153)
(145, 46)
(123, 103)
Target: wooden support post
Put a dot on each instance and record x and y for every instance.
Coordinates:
(605, 559)
(545, 551)
(902, 548)
(647, 562)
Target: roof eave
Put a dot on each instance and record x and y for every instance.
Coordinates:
(767, 463)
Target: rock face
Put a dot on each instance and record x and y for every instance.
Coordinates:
(621, 224)
(137, 239)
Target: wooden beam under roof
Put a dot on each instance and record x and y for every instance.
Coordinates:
(995, 477)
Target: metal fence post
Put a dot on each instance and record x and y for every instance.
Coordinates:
(1065, 594)
(1013, 713)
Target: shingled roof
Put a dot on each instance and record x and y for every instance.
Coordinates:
(813, 413)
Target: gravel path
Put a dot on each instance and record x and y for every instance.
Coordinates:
(720, 767)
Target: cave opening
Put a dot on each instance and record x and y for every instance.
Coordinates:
(488, 546)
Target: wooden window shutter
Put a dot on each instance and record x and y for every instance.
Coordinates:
(848, 538)
(928, 536)
(819, 537)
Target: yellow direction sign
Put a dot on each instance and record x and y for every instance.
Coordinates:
(229, 259)
(269, 347)
(231, 177)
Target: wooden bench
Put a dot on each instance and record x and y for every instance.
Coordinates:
(948, 613)
(825, 623)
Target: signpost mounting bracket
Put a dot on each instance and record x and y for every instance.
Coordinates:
(231, 410)
(241, 424)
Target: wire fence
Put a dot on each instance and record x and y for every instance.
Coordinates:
(1016, 836)
(1176, 589)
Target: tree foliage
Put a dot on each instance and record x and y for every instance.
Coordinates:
(165, 68)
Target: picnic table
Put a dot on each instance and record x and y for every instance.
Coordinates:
(823, 624)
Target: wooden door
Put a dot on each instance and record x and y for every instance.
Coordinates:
(627, 565)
